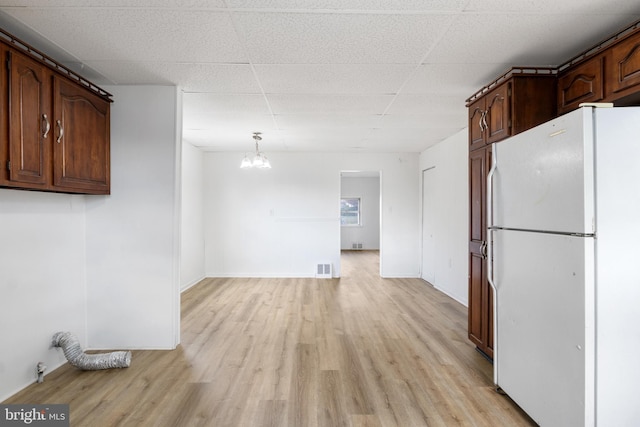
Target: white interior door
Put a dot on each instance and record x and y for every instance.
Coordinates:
(428, 225)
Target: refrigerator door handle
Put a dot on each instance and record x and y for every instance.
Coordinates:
(489, 247)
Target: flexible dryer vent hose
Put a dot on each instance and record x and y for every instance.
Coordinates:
(89, 362)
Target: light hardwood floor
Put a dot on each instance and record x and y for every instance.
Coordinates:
(355, 351)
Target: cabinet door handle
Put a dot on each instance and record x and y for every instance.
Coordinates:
(484, 120)
(60, 132)
(483, 250)
(482, 113)
(47, 126)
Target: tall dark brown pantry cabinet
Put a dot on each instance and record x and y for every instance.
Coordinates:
(480, 293)
(518, 100)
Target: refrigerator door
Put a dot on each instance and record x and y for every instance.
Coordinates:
(545, 324)
(530, 167)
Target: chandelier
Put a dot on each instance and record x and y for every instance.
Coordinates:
(259, 159)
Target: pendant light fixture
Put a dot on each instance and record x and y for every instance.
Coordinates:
(259, 159)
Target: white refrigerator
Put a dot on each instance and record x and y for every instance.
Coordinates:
(564, 263)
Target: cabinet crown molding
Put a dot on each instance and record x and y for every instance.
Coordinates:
(511, 72)
(53, 64)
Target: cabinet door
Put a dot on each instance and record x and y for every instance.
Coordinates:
(498, 113)
(4, 115)
(29, 120)
(476, 124)
(81, 140)
(584, 83)
(625, 66)
(480, 297)
(477, 278)
(478, 164)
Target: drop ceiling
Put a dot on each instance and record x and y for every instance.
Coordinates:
(325, 75)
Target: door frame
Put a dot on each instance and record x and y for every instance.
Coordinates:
(422, 225)
(363, 173)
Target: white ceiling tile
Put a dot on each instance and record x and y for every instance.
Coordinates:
(303, 38)
(138, 34)
(525, 39)
(388, 134)
(343, 104)
(426, 104)
(308, 139)
(119, 3)
(216, 78)
(409, 140)
(224, 115)
(314, 75)
(225, 122)
(341, 5)
(437, 120)
(195, 103)
(343, 139)
(333, 78)
(452, 78)
(307, 134)
(327, 121)
(555, 7)
(236, 129)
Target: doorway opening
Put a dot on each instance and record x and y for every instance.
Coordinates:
(360, 214)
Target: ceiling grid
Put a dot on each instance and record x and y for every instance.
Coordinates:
(314, 75)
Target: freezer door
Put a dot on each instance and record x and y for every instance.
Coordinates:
(544, 177)
(545, 325)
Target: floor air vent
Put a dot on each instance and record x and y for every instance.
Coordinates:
(323, 271)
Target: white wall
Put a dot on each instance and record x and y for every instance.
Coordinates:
(42, 281)
(283, 221)
(367, 189)
(450, 161)
(133, 234)
(102, 267)
(192, 228)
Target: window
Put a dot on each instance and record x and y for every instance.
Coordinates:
(350, 211)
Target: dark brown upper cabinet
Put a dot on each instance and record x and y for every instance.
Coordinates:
(54, 125)
(582, 83)
(623, 63)
(515, 102)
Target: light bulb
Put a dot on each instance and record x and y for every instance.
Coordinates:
(246, 163)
